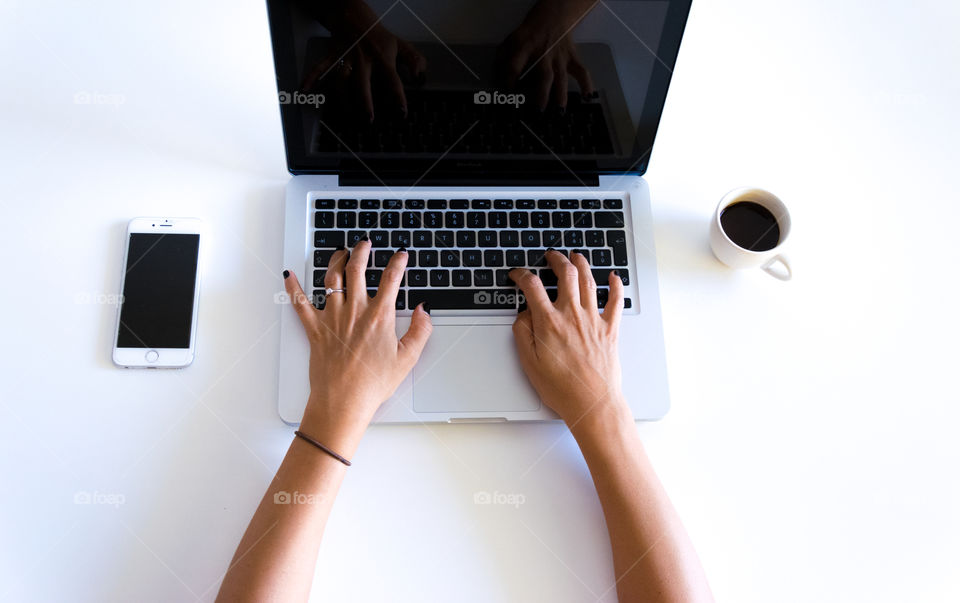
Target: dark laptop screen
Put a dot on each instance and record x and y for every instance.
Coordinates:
(426, 92)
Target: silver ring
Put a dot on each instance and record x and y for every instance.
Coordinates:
(329, 290)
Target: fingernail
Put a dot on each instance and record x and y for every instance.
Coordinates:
(365, 238)
(286, 274)
(616, 272)
(402, 250)
(426, 307)
(550, 249)
(340, 247)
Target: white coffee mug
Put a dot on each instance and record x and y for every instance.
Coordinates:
(772, 261)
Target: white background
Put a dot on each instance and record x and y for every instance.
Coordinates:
(812, 448)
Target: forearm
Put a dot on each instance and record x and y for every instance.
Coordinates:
(277, 556)
(653, 557)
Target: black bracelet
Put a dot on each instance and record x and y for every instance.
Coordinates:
(307, 438)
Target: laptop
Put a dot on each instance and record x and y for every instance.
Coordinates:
(477, 136)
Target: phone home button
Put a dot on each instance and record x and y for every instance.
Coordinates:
(152, 356)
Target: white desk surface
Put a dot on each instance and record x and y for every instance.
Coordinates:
(812, 448)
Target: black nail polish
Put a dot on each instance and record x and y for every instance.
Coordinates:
(426, 307)
(286, 274)
(402, 250)
(550, 249)
(364, 238)
(340, 247)
(616, 272)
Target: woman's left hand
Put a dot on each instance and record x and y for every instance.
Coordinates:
(356, 359)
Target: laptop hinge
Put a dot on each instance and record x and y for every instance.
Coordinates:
(463, 172)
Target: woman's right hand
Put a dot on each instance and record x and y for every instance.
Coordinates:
(567, 348)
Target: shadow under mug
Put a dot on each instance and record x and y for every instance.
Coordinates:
(771, 261)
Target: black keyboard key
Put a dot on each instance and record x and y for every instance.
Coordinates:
(472, 257)
(552, 238)
(552, 294)
(367, 219)
(379, 238)
(562, 219)
(325, 204)
(318, 276)
(414, 204)
(530, 238)
(411, 219)
(613, 204)
(569, 204)
(323, 219)
(476, 219)
(400, 238)
(547, 204)
(497, 219)
(319, 299)
(590, 204)
(417, 278)
(627, 303)
(479, 204)
(535, 257)
(583, 219)
(321, 257)
(382, 258)
(461, 278)
(329, 238)
(453, 219)
(487, 238)
(439, 278)
(466, 238)
(347, 204)
(432, 219)
(411, 258)
(594, 238)
(601, 257)
(464, 299)
(519, 219)
(493, 258)
(503, 203)
(516, 258)
(608, 219)
(347, 219)
(390, 219)
(617, 239)
(373, 277)
(540, 219)
(443, 238)
(437, 204)
(603, 294)
(423, 238)
(355, 236)
(369, 204)
(401, 300)
(501, 278)
(392, 204)
(459, 204)
(601, 275)
(450, 258)
(548, 277)
(573, 238)
(483, 278)
(509, 238)
(429, 258)
(526, 203)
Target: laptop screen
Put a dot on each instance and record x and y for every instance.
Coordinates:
(494, 92)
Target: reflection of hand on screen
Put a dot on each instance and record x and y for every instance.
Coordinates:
(363, 50)
(540, 53)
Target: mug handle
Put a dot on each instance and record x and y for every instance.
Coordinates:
(784, 274)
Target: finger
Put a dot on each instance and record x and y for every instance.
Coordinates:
(334, 278)
(390, 280)
(524, 336)
(588, 286)
(361, 81)
(412, 342)
(614, 308)
(544, 83)
(568, 278)
(538, 302)
(580, 73)
(560, 88)
(396, 88)
(317, 73)
(356, 273)
(412, 59)
(298, 299)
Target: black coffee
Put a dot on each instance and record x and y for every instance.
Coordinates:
(751, 226)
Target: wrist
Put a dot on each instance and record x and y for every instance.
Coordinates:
(604, 420)
(339, 430)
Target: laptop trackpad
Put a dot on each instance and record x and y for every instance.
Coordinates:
(471, 368)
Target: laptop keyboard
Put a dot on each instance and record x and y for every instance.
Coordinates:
(461, 251)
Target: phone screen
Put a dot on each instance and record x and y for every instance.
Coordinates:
(158, 288)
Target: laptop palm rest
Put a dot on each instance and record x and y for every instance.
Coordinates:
(460, 371)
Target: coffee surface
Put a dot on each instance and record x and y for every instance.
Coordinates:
(751, 226)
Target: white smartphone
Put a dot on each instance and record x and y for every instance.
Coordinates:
(157, 314)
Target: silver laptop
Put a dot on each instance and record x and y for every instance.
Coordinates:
(451, 130)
